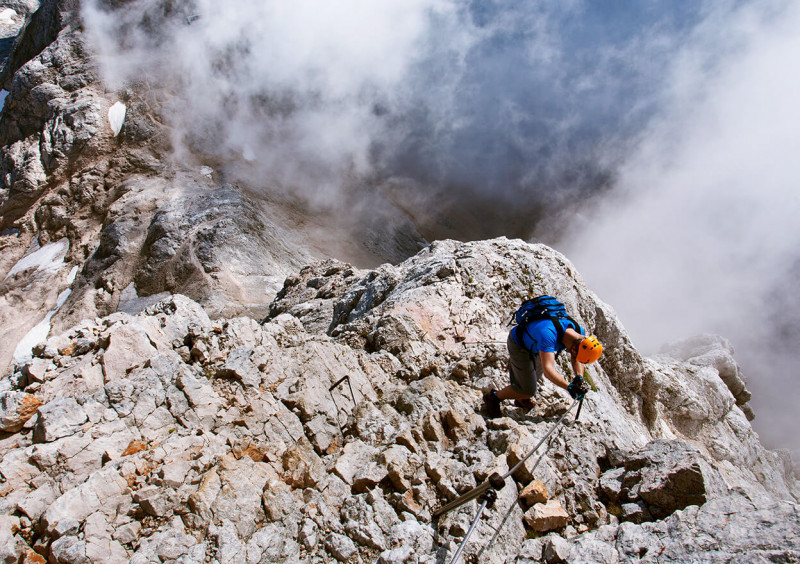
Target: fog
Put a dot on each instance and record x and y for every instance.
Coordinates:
(701, 233)
(520, 105)
(652, 142)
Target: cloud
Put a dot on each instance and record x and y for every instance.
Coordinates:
(457, 97)
(700, 233)
(292, 88)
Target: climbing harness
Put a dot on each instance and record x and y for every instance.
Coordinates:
(487, 491)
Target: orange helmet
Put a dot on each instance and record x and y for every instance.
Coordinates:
(589, 350)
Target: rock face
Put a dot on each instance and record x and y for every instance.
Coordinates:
(712, 350)
(183, 381)
(659, 479)
(138, 222)
(170, 436)
(133, 224)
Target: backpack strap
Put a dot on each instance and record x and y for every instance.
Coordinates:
(560, 329)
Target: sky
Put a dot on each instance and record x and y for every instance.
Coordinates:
(651, 141)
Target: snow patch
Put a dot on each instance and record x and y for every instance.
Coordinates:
(39, 333)
(24, 350)
(72, 274)
(7, 16)
(47, 259)
(116, 117)
(3, 94)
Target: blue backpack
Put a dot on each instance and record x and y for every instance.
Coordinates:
(543, 307)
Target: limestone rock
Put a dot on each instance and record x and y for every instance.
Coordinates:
(128, 347)
(15, 409)
(154, 425)
(36, 370)
(716, 352)
(534, 493)
(726, 529)
(302, 467)
(556, 549)
(239, 498)
(547, 516)
(239, 365)
(340, 547)
(12, 546)
(188, 249)
(358, 466)
(272, 544)
(667, 476)
(411, 538)
(105, 491)
(36, 502)
(167, 544)
(531, 551)
(310, 294)
(227, 439)
(59, 418)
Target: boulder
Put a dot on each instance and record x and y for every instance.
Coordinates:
(302, 467)
(128, 347)
(69, 549)
(16, 408)
(549, 516)
(12, 546)
(556, 549)
(36, 502)
(59, 418)
(341, 547)
(534, 493)
(731, 528)
(238, 500)
(358, 466)
(670, 475)
(273, 543)
(239, 366)
(105, 491)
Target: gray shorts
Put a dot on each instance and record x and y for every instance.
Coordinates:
(524, 368)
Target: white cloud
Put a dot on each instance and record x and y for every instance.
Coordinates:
(702, 231)
(293, 85)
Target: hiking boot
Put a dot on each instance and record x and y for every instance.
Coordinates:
(524, 404)
(492, 404)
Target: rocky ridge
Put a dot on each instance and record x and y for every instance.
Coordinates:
(301, 439)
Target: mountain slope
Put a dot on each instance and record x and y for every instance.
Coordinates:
(187, 376)
(188, 438)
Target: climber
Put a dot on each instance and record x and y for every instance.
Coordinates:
(532, 350)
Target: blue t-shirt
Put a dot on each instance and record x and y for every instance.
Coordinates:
(541, 336)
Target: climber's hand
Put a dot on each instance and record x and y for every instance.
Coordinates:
(577, 388)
